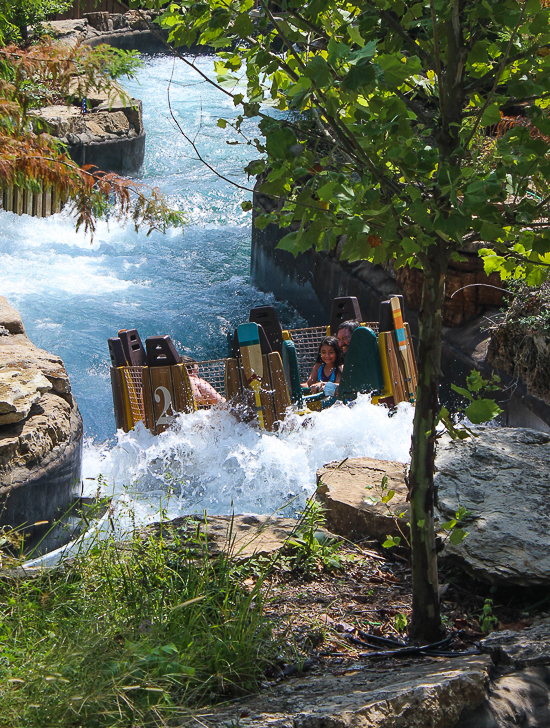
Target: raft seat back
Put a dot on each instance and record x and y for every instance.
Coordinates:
(386, 315)
(274, 395)
(266, 317)
(344, 308)
(264, 343)
(116, 352)
(362, 369)
(394, 373)
(166, 391)
(161, 352)
(292, 372)
(133, 348)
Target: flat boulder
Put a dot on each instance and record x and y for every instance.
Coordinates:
(352, 491)
(528, 648)
(19, 390)
(241, 537)
(502, 477)
(410, 695)
(519, 693)
(40, 436)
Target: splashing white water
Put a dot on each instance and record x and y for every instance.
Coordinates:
(209, 461)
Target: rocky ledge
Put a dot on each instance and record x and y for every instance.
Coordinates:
(501, 476)
(505, 685)
(110, 135)
(40, 433)
(134, 30)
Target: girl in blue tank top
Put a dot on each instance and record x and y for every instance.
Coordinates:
(328, 367)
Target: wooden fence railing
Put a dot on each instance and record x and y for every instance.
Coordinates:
(90, 6)
(25, 202)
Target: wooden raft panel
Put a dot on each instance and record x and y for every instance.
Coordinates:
(127, 396)
(389, 352)
(119, 404)
(411, 359)
(166, 391)
(278, 380)
(274, 394)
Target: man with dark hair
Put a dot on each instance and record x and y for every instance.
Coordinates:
(345, 330)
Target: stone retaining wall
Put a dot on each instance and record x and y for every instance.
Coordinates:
(314, 278)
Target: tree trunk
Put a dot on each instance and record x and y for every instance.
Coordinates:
(426, 620)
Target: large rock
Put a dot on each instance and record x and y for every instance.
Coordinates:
(19, 352)
(518, 694)
(10, 319)
(110, 136)
(421, 695)
(469, 291)
(242, 537)
(352, 494)
(522, 353)
(19, 390)
(40, 434)
(527, 648)
(502, 477)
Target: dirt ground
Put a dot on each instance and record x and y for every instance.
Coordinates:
(326, 618)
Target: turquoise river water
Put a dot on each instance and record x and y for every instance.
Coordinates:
(73, 293)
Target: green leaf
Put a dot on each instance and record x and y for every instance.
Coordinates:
(396, 69)
(359, 76)
(355, 35)
(222, 123)
(387, 498)
(448, 525)
(365, 53)
(391, 541)
(491, 115)
(242, 25)
(475, 381)
(372, 500)
(457, 536)
(325, 193)
(462, 391)
(278, 143)
(319, 71)
(246, 205)
(482, 410)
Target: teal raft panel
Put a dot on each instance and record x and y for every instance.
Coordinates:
(362, 367)
(292, 372)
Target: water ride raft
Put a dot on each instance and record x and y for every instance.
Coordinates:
(262, 378)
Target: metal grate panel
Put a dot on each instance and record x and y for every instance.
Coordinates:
(132, 375)
(307, 343)
(212, 371)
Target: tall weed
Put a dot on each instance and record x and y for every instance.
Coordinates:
(131, 633)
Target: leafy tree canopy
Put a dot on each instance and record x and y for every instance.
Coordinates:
(383, 108)
(16, 16)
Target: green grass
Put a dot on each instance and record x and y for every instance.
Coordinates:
(129, 634)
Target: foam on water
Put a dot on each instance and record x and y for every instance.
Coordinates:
(209, 461)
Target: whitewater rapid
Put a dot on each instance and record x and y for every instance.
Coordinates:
(208, 461)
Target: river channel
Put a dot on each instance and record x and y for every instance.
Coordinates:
(73, 293)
